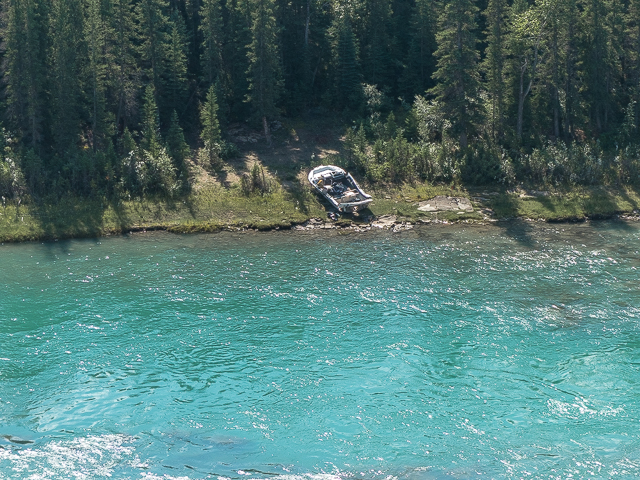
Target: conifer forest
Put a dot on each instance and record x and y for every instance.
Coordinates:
(112, 97)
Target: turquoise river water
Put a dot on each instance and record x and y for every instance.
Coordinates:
(440, 353)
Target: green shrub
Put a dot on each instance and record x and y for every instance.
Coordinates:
(256, 181)
(145, 173)
(228, 150)
(559, 163)
(158, 174)
(12, 182)
(627, 165)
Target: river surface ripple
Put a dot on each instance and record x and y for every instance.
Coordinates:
(457, 352)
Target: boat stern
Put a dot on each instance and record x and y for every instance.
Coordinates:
(352, 207)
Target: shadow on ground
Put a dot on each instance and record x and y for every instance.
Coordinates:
(72, 218)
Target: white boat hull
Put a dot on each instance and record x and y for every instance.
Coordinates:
(339, 188)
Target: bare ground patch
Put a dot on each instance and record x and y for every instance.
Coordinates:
(292, 149)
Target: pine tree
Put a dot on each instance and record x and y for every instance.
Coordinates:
(153, 25)
(571, 68)
(457, 73)
(542, 28)
(633, 54)
(175, 77)
(599, 62)
(67, 50)
(238, 37)
(527, 28)
(176, 145)
(27, 44)
(124, 68)
(210, 134)
(190, 11)
(98, 57)
(151, 140)
(403, 15)
(264, 63)
(420, 63)
(348, 87)
(127, 144)
(559, 65)
(295, 17)
(377, 46)
(305, 77)
(555, 61)
(314, 61)
(212, 40)
(494, 63)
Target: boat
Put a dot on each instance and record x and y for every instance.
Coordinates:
(339, 188)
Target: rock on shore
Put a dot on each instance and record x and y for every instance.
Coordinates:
(442, 204)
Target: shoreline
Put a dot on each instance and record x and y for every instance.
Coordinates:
(316, 225)
(395, 209)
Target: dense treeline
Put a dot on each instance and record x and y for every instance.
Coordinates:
(108, 97)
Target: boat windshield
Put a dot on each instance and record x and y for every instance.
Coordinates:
(322, 169)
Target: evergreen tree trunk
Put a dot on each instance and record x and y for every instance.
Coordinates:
(528, 26)
(306, 24)
(555, 80)
(522, 95)
(267, 131)
(570, 69)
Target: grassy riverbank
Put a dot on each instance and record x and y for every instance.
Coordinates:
(215, 207)
(217, 202)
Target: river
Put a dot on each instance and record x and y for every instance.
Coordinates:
(446, 352)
